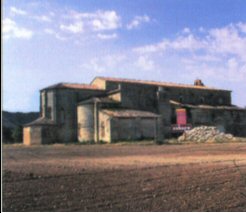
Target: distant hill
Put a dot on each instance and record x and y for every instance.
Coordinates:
(13, 121)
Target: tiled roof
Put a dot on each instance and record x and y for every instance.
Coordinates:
(40, 122)
(156, 83)
(73, 86)
(126, 113)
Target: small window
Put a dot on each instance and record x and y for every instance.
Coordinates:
(181, 99)
(213, 116)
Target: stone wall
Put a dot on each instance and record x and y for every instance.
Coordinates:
(32, 135)
(199, 96)
(37, 135)
(85, 115)
(64, 110)
(130, 91)
(135, 96)
(115, 96)
(229, 121)
(138, 97)
(49, 134)
(100, 83)
(105, 128)
(133, 128)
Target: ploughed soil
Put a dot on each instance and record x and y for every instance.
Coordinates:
(192, 177)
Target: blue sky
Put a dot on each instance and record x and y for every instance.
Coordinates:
(46, 42)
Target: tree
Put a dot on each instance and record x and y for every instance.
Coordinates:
(17, 134)
(7, 135)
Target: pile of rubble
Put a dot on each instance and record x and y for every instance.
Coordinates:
(206, 134)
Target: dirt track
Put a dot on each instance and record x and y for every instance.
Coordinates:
(206, 177)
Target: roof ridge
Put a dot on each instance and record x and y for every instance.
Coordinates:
(158, 83)
(72, 86)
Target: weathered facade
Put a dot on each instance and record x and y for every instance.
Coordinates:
(113, 109)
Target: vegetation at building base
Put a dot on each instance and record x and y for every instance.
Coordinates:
(12, 135)
(17, 134)
(7, 135)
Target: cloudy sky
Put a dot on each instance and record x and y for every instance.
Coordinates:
(46, 42)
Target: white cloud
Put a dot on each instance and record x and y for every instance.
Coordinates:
(57, 35)
(76, 27)
(242, 27)
(227, 40)
(232, 64)
(186, 30)
(96, 21)
(16, 11)
(11, 30)
(137, 21)
(145, 63)
(42, 18)
(201, 58)
(231, 70)
(107, 36)
(105, 20)
(49, 31)
(152, 48)
(101, 24)
(188, 42)
(201, 29)
(218, 53)
(95, 66)
(104, 64)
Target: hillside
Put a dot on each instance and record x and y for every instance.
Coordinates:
(13, 120)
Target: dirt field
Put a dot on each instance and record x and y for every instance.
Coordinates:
(205, 177)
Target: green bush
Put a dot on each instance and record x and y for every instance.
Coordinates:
(17, 134)
(7, 135)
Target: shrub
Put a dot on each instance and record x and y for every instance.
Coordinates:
(17, 134)
(7, 135)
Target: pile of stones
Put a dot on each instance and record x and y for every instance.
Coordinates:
(206, 134)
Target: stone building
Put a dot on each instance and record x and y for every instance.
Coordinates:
(114, 109)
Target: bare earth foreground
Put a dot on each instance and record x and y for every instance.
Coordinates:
(198, 177)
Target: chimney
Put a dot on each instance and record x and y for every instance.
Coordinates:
(198, 82)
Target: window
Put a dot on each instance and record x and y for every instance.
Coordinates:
(181, 99)
(213, 116)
